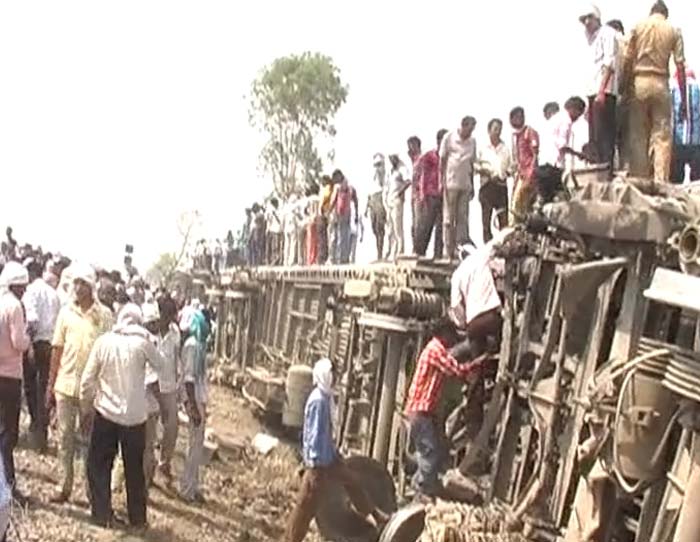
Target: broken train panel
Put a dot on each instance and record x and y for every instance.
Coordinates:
(574, 308)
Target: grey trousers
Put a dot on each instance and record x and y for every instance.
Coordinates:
(70, 440)
(195, 457)
(169, 421)
(455, 215)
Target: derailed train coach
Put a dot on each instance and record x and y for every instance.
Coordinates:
(589, 423)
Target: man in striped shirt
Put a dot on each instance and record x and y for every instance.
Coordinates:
(436, 362)
(686, 130)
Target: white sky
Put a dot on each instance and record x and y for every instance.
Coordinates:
(117, 116)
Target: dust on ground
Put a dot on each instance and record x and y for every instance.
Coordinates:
(248, 496)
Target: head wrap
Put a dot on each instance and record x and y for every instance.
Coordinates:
(14, 274)
(130, 320)
(199, 328)
(150, 312)
(323, 376)
(590, 9)
(129, 315)
(84, 272)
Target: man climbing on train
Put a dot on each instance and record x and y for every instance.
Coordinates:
(438, 360)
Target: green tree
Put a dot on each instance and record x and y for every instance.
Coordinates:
(294, 101)
(162, 271)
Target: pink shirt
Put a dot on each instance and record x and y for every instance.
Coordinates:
(429, 181)
(14, 339)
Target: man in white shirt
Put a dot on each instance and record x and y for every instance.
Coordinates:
(398, 183)
(555, 145)
(42, 305)
(494, 167)
(457, 156)
(291, 219)
(112, 390)
(473, 292)
(169, 379)
(475, 308)
(603, 86)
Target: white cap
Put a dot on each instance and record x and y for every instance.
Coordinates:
(14, 274)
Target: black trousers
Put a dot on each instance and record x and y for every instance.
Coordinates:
(10, 406)
(682, 155)
(36, 380)
(493, 196)
(106, 437)
(549, 181)
(429, 219)
(602, 129)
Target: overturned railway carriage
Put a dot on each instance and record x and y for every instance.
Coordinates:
(369, 320)
(589, 428)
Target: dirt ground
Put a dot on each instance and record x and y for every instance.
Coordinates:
(248, 496)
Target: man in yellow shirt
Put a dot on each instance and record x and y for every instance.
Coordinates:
(646, 75)
(79, 324)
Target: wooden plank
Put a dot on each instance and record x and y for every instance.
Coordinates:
(632, 313)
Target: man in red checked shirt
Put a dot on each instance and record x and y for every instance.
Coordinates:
(429, 200)
(436, 362)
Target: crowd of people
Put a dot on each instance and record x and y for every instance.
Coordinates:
(637, 121)
(321, 226)
(110, 362)
(633, 118)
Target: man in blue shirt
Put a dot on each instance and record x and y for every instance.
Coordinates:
(5, 502)
(322, 460)
(686, 130)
